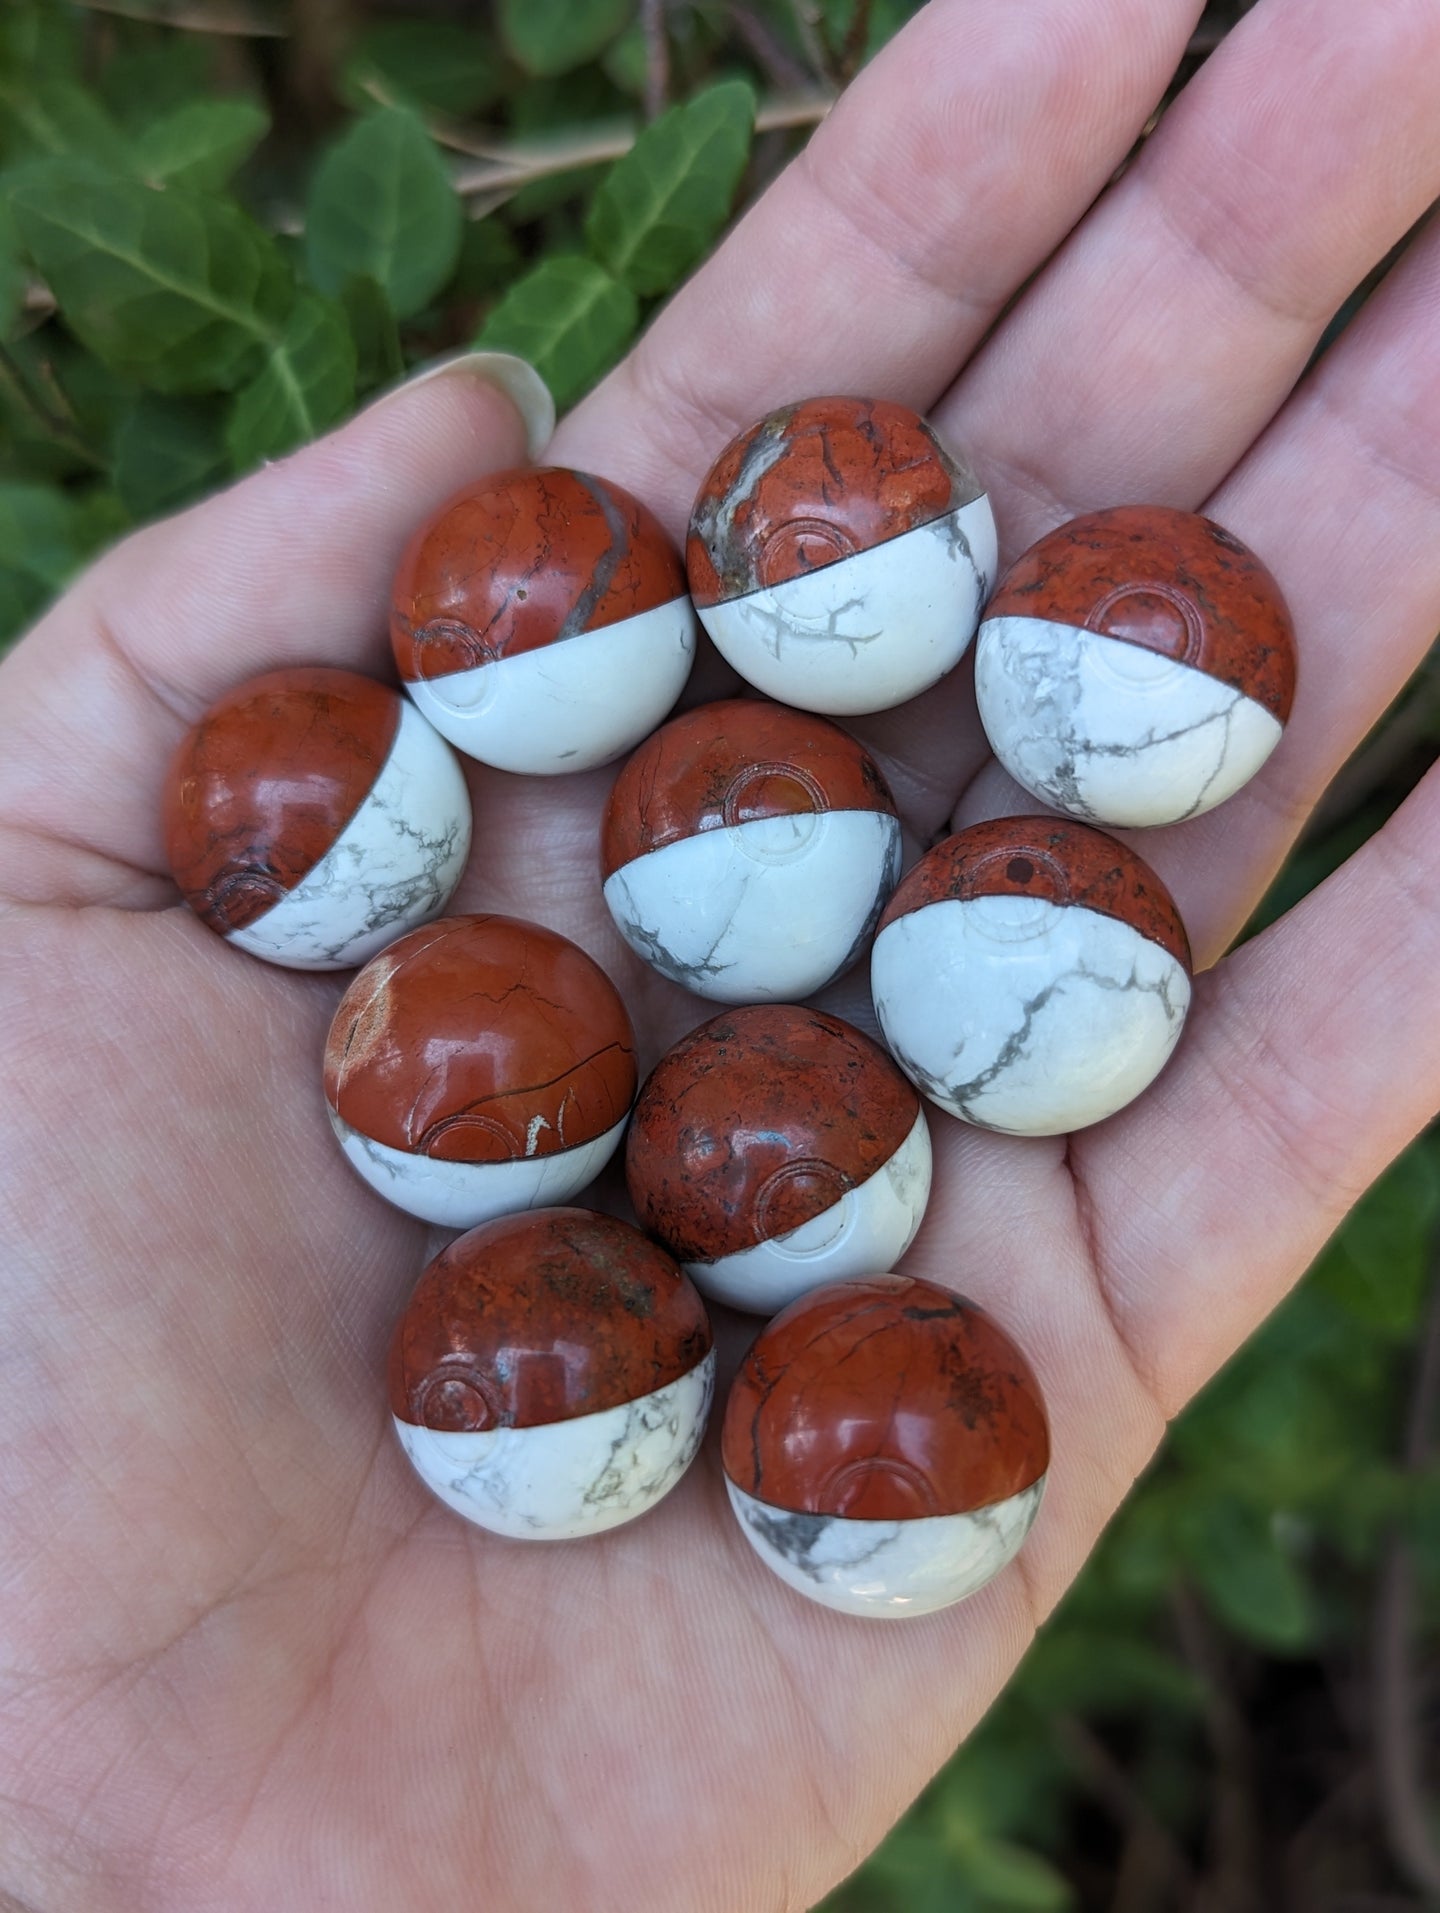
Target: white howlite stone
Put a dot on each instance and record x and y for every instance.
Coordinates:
(868, 631)
(571, 705)
(1110, 731)
(458, 1195)
(1025, 1016)
(564, 1479)
(761, 912)
(888, 1569)
(393, 866)
(865, 1233)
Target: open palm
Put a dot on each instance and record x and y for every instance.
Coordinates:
(244, 1662)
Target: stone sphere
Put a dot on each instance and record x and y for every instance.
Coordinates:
(540, 621)
(312, 815)
(1136, 666)
(839, 555)
(885, 1447)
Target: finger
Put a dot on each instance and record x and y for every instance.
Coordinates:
(1312, 1058)
(1148, 355)
(291, 566)
(955, 164)
(1342, 497)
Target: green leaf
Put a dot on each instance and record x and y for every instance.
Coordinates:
(1009, 1876)
(45, 535)
(307, 385)
(146, 78)
(553, 36)
(47, 119)
(1252, 1580)
(12, 271)
(378, 355)
(381, 206)
(38, 37)
(201, 143)
(661, 205)
(180, 291)
(569, 318)
(1378, 1266)
(489, 258)
(167, 453)
(436, 65)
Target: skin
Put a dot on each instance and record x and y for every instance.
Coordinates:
(244, 1662)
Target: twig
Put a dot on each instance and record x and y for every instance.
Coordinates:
(852, 48)
(780, 66)
(1113, 1788)
(1233, 1885)
(1398, 1748)
(57, 427)
(657, 57)
(233, 17)
(809, 24)
(513, 166)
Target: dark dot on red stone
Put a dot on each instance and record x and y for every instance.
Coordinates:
(1020, 870)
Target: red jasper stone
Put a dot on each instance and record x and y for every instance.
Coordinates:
(1170, 581)
(758, 1121)
(886, 1399)
(524, 559)
(812, 483)
(1051, 858)
(481, 1039)
(730, 763)
(264, 783)
(539, 1318)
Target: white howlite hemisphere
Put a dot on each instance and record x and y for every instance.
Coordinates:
(560, 1480)
(1110, 731)
(393, 866)
(887, 1569)
(458, 1195)
(568, 706)
(1023, 1015)
(870, 630)
(759, 912)
(869, 1228)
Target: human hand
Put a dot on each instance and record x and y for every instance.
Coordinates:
(247, 1663)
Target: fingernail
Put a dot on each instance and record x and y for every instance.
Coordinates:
(515, 377)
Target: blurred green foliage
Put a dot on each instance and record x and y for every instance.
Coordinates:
(204, 261)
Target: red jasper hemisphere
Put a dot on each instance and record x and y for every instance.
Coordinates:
(1169, 581)
(263, 785)
(481, 1039)
(521, 560)
(887, 1399)
(542, 1318)
(758, 1121)
(813, 483)
(1052, 859)
(730, 763)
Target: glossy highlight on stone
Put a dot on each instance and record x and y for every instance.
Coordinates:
(1136, 666)
(1031, 975)
(541, 620)
(746, 850)
(885, 1446)
(479, 1066)
(776, 1148)
(839, 554)
(311, 815)
(552, 1374)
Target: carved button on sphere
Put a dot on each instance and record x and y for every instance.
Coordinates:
(1031, 975)
(1136, 666)
(479, 1066)
(885, 1446)
(311, 815)
(551, 1375)
(541, 621)
(774, 1149)
(839, 554)
(747, 850)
